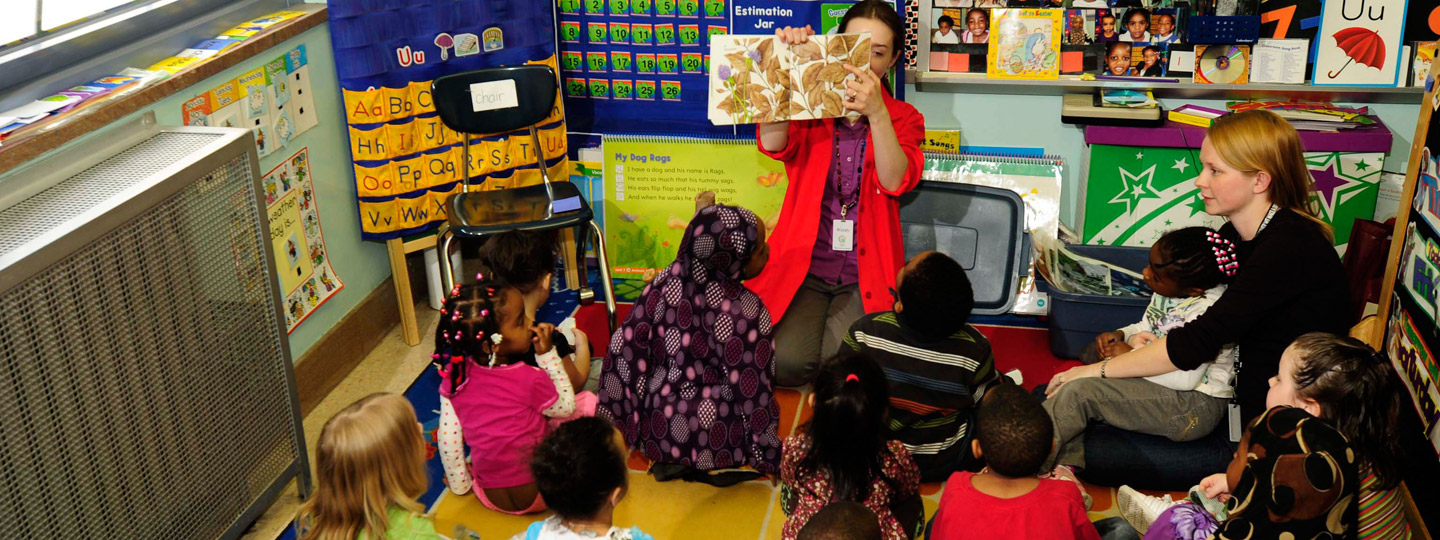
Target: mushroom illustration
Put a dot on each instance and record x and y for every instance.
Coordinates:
(445, 42)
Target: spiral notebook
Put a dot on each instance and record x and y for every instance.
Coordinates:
(650, 189)
(1035, 179)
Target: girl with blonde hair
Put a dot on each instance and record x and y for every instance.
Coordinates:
(1288, 282)
(370, 467)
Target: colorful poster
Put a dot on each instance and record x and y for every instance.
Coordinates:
(306, 277)
(274, 101)
(406, 162)
(1025, 44)
(1359, 43)
(650, 189)
(1134, 194)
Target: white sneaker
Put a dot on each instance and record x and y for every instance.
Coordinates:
(1139, 509)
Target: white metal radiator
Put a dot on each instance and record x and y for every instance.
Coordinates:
(146, 385)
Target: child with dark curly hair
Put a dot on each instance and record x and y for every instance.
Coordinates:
(525, 260)
(580, 471)
(1007, 500)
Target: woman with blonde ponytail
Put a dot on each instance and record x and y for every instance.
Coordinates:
(1289, 282)
(370, 467)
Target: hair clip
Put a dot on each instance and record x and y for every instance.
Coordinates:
(456, 359)
(480, 334)
(456, 290)
(435, 356)
(852, 378)
(484, 313)
(479, 276)
(496, 338)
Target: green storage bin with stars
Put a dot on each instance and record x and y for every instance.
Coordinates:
(1136, 193)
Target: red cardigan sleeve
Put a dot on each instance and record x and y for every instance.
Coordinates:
(910, 130)
(792, 142)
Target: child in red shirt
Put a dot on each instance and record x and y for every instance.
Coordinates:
(1007, 500)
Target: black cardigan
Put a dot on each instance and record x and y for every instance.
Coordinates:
(1290, 282)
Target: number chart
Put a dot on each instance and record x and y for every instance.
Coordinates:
(623, 60)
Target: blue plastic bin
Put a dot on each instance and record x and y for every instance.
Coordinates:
(1075, 319)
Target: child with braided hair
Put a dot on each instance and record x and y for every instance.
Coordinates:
(1188, 271)
(491, 399)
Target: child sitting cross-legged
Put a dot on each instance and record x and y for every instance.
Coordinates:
(939, 367)
(1007, 500)
(580, 471)
(843, 453)
(369, 469)
(491, 401)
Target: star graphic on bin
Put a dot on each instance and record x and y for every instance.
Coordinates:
(1328, 185)
(1135, 188)
(1180, 165)
(1197, 204)
(1362, 165)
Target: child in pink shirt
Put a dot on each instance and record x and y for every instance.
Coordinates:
(490, 401)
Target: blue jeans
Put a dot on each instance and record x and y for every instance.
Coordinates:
(1115, 457)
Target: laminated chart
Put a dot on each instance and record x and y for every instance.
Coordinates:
(406, 162)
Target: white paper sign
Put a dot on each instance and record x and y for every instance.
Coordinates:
(1182, 61)
(1279, 61)
(1359, 43)
(488, 96)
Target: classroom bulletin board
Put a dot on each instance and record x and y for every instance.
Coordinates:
(405, 161)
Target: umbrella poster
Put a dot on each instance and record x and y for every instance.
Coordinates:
(301, 261)
(1359, 43)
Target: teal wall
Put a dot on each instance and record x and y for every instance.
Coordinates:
(1034, 121)
(360, 265)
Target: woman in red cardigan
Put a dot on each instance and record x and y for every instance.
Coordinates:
(837, 246)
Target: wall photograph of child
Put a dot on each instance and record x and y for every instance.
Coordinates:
(1124, 59)
(1079, 26)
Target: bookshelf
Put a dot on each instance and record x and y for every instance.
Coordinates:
(977, 83)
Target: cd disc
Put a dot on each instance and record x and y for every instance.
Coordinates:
(1223, 64)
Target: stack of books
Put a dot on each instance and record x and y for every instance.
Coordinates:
(1195, 115)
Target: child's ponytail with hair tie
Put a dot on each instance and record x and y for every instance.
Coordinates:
(1224, 250)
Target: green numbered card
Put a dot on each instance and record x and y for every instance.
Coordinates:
(668, 63)
(570, 7)
(689, 8)
(640, 7)
(665, 7)
(623, 89)
(669, 90)
(644, 89)
(596, 61)
(691, 62)
(715, 8)
(575, 87)
(619, 7)
(572, 60)
(689, 34)
(641, 34)
(713, 31)
(620, 33)
(665, 34)
(599, 88)
(599, 33)
(620, 61)
(595, 7)
(644, 63)
(707, 63)
(570, 31)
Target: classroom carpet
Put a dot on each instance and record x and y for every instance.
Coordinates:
(678, 509)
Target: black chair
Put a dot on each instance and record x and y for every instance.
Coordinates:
(543, 207)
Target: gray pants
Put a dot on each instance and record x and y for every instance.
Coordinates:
(1129, 404)
(814, 328)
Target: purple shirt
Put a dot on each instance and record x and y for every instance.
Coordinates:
(841, 267)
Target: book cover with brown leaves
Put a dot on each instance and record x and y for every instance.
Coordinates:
(757, 79)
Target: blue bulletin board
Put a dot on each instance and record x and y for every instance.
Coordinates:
(639, 66)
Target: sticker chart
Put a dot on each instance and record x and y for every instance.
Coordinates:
(274, 101)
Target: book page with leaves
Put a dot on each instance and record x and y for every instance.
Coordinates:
(757, 79)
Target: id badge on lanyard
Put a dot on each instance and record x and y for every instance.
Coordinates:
(842, 235)
(842, 231)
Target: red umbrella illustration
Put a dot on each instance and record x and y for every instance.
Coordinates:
(1361, 45)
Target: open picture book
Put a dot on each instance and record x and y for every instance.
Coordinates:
(757, 79)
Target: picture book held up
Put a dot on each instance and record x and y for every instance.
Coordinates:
(758, 79)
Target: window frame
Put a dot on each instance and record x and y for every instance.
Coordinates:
(107, 43)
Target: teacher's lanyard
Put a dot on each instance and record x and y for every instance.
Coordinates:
(1235, 421)
(859, 173)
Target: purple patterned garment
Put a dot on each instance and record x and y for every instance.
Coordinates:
(687, 377)
(1184, 521)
